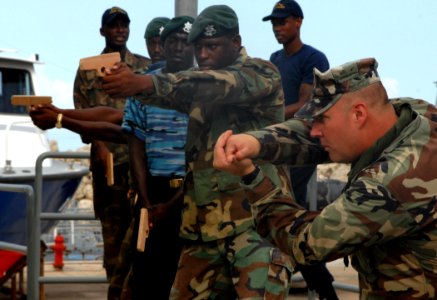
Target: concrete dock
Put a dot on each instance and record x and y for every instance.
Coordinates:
(97, 291)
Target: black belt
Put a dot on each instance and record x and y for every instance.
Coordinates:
(174, 182)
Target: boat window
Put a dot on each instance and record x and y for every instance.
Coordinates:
(14, 82)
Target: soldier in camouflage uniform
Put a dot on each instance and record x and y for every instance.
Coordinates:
(154, 46)
(111, 205)
(223, 256)
(385, 217)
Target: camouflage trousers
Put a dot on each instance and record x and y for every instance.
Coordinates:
(122, 275)
(112, 207)
(243, 266)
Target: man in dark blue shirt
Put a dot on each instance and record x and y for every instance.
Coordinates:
(296, 62)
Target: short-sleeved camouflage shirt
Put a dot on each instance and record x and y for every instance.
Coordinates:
(89, 93)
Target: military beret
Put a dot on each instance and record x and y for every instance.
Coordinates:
(329, 86)
(183, 23)
(214, 21)
(113, 13)
(155, 27)
(284, 9)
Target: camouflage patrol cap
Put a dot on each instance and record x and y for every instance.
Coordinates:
(113, 13)
(284, 9)
(329, 86)
(182, 23)
(155, 27)
(214, 21)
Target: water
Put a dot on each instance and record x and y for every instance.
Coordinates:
(82, 238)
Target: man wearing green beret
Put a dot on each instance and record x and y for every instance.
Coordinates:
(385, 217)
(157, 137)
(152, 35)
(223, 256)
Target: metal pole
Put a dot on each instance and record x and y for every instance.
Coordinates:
(436, 95)
(186, 8)
(346, 287)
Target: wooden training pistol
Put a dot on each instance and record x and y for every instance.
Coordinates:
(143, 229)
(28, 100)
(100, 63)
(109, 170)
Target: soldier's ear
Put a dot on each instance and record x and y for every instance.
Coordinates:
(236, 40)
(360, 114)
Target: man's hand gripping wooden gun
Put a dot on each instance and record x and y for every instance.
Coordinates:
(101, 63)
(143, 227)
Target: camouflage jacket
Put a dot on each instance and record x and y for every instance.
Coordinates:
(88, 93)
(243, 96)
(385, 218)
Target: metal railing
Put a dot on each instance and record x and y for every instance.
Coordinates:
(28, 191)
(34, 251)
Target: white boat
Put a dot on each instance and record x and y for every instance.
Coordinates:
(20, 145)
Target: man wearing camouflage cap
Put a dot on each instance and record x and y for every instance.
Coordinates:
(157, 137)
(152, 35)
(385, 218)
(223, 256)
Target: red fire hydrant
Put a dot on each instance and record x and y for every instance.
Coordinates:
(58, 248)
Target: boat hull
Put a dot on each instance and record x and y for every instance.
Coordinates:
(58, 187)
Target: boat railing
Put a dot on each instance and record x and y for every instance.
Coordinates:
(34, 251)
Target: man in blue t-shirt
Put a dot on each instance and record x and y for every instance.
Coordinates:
(296, 62)
(156, 138)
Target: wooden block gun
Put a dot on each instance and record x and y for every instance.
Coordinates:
(109, 169)
(28, 100)
(143, 230)
(100, 63)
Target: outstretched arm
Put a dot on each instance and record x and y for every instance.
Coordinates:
(123, 82)
(86, 122)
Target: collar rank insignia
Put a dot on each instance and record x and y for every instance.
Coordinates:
(210, 30)
(187, 27)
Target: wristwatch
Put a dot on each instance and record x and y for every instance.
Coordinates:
(59, 121)
(249, 178)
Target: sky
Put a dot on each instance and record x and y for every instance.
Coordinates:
(400, 34)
